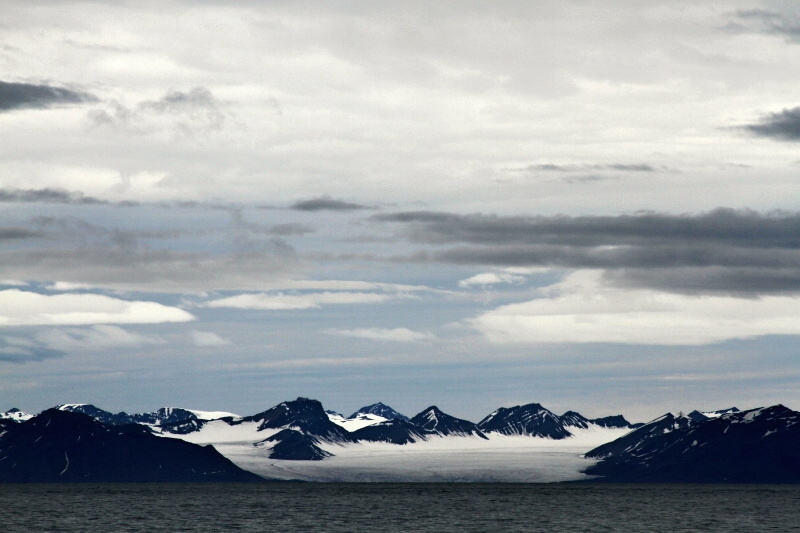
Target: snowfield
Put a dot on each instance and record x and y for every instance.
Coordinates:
(469, 459)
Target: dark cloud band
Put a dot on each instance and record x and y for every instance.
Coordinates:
(30, 96)
(783, 126)
(325, 203)
(720, 251)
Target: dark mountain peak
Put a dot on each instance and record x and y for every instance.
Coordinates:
(531, 419)
(613, 421)
(435, 420)
(575, 419)
(699, 416)
(395, 431)
(753, 446)
(635, 440)
(164, 415)
(380, 409)
(101, 415)
(63, 446)
(293, 445)
(304, 414)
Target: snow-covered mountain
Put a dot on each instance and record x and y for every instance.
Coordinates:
(62, 446)
(699, 416)
(394, 431)
(15, 415)
(434, 420)
(300, 440)
(380, 409)
(536, 421)
(754, 446)
(290, 430)
(531, 419)
(164, 415)
(355, 422)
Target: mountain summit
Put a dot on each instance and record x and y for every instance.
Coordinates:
(434, 420)
(380, 409)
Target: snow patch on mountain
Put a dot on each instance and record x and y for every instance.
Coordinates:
(15, 415)
(355, 422)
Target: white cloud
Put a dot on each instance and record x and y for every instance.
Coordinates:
(384, 334)
(580, 309)
(207, 338)
(67, 286)
(22, 308)
(266, 301)
(99, 337)
(13, 282)
(490, 278)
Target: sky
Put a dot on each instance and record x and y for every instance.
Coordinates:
(592, 205)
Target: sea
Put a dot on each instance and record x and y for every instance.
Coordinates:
(390, 507)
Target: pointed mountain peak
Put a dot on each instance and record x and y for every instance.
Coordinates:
(530, 419)
(380, 409)
(435, 420)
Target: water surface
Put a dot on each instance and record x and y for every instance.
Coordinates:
(388, 507)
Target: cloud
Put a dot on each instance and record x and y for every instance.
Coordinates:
(490, 278)
(325, 203)
(280, 301)
(198, 103)
(17, 233)
(620, 167)
(95, 338)
(30, 96)
(783, 126)
(181, 112)
(47, 195)
(384, 334)
(205, 339)
(582, 309)
(290, 229)
(23, 350)
(766, 22)
(133, 268)
(23, 308)
(724, 250)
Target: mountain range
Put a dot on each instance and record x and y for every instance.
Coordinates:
(757, 445)
(730, 446)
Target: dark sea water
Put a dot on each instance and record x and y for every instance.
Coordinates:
(363, 507)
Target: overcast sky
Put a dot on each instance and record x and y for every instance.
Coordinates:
(224, 205)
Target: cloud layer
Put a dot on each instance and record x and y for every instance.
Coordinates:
(32, 96)
(582, 309)
(729, 251)
(783, 126)
(23, 308)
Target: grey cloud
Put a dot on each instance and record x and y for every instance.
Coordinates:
(46, 195)
(290, 229)
(728, 225)
(620, 167)
(766, 22)
(127, 268)
(721, 279)
(195, 109)
(17, 233)
(783, 126)
(720, 251)
(19, 351)
(31, 96)
(326, 203)
(198, 102)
